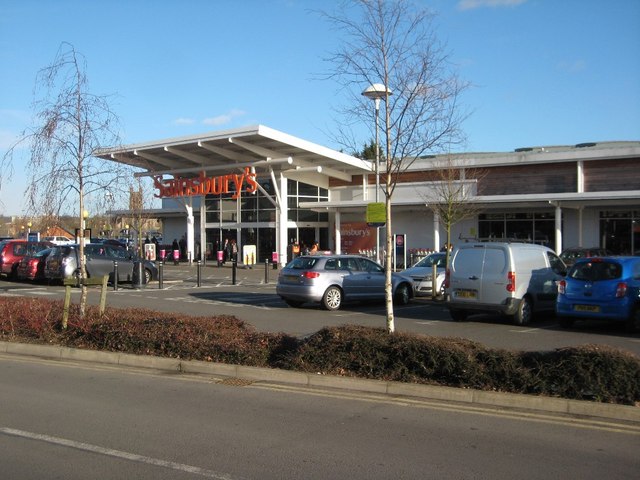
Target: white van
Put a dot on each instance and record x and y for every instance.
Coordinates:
(513, 279)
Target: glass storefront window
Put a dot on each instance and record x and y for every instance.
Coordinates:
(537, 227)
(254, 208)
(620, 231)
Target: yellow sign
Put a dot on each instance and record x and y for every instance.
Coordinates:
(376, 214)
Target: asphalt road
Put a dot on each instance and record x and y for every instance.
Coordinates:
(253, 300)
(66, 420)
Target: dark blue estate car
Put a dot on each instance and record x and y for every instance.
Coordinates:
(603, 288)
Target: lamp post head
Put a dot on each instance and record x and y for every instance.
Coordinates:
(377, 91)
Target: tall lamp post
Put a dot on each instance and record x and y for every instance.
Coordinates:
(377, 92)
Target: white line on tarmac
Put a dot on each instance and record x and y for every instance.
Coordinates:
(87, 447)
(528, 330)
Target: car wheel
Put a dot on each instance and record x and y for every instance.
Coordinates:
(524, 312)
(633, 322)
(293, 303)
(443, 291)
(458, 315)
(565, 322)
(147, 276)
(402, 294)
(332, 298)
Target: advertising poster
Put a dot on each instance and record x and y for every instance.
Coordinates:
(357, 236)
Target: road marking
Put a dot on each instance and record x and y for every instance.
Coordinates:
(430, 322)
(87, 447)
(443, 405)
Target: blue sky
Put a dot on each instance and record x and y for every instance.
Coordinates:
(544, 72)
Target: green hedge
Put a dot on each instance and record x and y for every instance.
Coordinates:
(590, 372)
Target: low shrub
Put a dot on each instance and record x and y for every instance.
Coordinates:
(588, 372)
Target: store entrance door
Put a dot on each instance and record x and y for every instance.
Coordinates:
(306, 237)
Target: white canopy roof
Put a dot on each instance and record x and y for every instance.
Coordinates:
(258, 146)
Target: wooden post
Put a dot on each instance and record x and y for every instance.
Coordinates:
(69, 282)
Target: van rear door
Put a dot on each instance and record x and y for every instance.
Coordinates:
(466, 273)
(495, 275)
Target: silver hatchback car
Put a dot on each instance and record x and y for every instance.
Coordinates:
(333, 279)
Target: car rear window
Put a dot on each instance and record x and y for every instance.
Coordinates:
(429, 260)
(596, 271)
(302, 263)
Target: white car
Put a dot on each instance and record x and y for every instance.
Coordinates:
(59, 240)
(422, 274)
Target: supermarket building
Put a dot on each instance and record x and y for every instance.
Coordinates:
(266, 189)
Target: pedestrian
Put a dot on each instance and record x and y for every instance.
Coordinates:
(314, 248)
(225, 251)
(234, 251)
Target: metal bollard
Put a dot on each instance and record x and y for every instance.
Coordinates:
(234, 264)
(161, 275)
(266, 270)
(199, 270)
(137, 280)
(115, 276)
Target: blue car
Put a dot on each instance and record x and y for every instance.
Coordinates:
(603, 288)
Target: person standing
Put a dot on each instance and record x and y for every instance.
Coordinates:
(225, 251)
(234, 251)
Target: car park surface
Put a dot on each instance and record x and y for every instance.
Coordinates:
(422, 274)
(603, 288)
(254, 300)
(332, 280)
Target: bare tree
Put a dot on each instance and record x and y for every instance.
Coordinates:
(392, 43)
(141, 197)
(451, 197)
(70, 124)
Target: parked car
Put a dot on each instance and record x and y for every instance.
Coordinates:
(512, 279)
(422, 274)
(604, 288)
(59, 240)
(332, 280)
(31, 267)
(62, 263)
(570, 255)
(12, 251)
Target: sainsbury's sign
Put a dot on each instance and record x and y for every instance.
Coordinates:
(203, 185)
